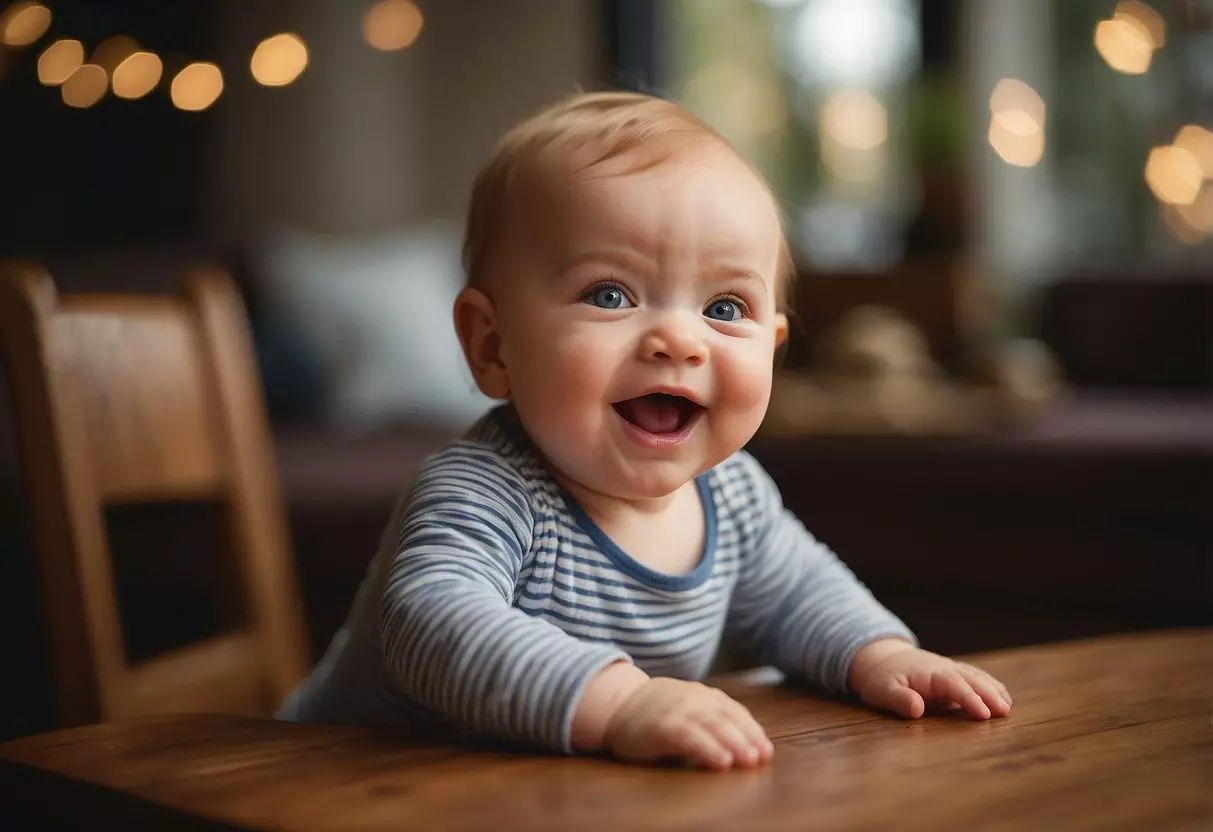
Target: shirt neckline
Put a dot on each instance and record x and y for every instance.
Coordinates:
(507, 418)
(636, 569)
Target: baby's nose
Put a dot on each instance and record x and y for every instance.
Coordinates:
(672, 345)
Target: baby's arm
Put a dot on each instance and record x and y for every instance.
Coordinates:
(808, 614)
(450, 634)
(645, 719)
(796, 604)
(901, 678)
(456, 644)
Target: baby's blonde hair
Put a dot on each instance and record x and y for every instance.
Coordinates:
(612, 123)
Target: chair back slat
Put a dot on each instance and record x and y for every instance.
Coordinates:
(123, 399)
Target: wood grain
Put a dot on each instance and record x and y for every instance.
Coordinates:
(1107, 734)
(123, 398)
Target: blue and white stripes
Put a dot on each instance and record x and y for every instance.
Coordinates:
(494, 599)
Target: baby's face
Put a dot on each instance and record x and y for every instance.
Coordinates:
(639, 320)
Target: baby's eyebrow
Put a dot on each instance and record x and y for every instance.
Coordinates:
(729, 273)
(623, 258)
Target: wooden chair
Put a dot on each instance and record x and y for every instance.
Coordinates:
(126, 398)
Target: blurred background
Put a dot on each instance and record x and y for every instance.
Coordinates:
(997, 404)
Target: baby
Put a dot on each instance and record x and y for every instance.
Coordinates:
(564, 573)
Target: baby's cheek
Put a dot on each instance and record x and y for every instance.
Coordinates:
(586, 359)
(568, 375)
(573, 350)
(747, 378)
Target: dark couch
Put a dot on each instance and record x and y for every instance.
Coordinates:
(1096, 517)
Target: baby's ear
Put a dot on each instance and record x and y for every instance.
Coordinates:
(476, 325)
(781, 330)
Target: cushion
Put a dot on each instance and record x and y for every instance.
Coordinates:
(376, 313)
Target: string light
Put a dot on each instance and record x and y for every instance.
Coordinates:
(1014, 94)
(391, 25)
(388, 25)
(279, 60)
(1016, 138)
(1125, 44)
(85, 87)
(197, 86)
(137, 75)
(113, 51)
(59, 61)
(1017, 123)
(23, 23)
(1145, 17)
(1199, 215)
(1199, 142)
(1174, 175)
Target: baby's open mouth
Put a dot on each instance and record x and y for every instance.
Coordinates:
(658, 413)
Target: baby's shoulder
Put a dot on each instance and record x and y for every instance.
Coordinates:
(743, 488)
(741, 475)
(488, 463)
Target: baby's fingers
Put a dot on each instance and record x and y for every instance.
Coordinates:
(696, 744)
(734, 740)
(990, 691)
(954, 687)
(1005, 694)
(754, 733)
(900, 699)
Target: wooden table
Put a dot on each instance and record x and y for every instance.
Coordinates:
(1112, 733)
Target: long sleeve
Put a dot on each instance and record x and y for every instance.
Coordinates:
(451, 636)
(796, 603)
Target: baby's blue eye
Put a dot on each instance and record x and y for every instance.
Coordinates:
(723, 310)
(608, 297)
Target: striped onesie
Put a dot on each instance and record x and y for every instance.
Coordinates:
(494, 599)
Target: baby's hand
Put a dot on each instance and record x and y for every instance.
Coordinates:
(687, 720)
(894, 674)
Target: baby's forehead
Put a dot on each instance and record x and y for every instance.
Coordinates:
(701, 198)
(565, 164)
(595, 154)
(582, 179)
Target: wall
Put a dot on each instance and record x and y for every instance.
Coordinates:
(366, 141)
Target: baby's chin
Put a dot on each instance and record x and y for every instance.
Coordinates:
(650, 479)
(651, 485)
(624, 479)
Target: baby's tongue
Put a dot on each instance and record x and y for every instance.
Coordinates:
(654, 413)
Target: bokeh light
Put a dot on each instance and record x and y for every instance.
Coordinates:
(85, 87)
(1199, 215)
(1017, 123)
(855, 119)
(279, 60)
(392, 25)
(1199, 142)
(1016, 138)
(1174, 175)
(853, 128)
(59, 61)
(1146, 17)
(23, 23)
(137, 75)
(1125, 43)
(1179, 226)
(1014, 94)
(197, 86)
(113, 51)
(865, 44)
